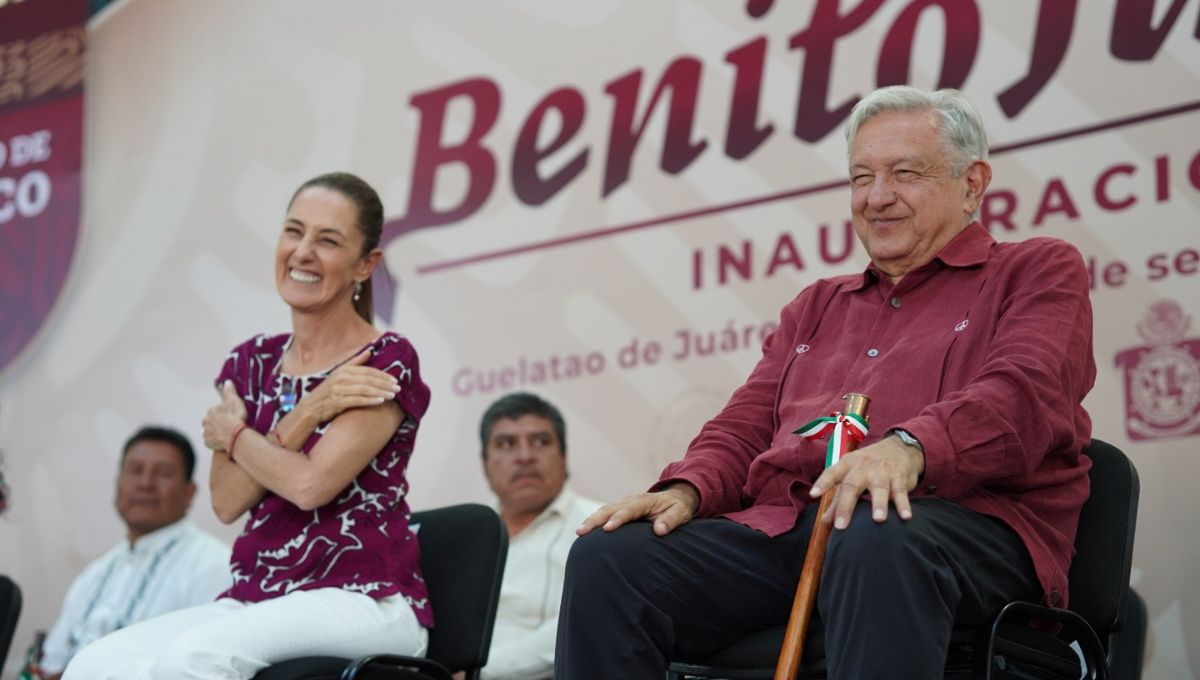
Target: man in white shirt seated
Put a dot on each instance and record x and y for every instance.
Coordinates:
(524, 457)
(165, 563)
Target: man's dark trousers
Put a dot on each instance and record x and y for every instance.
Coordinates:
(890, 593)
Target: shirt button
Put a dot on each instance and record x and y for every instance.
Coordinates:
(896, 302)
(872, 352)
(931, 489)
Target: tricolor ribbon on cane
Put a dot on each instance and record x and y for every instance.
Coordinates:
(845, 430)
(841, 428)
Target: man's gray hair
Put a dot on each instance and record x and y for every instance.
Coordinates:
(961, 130)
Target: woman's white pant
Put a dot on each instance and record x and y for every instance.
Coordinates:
(231, 639)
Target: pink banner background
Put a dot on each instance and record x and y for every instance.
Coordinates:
(547, 233)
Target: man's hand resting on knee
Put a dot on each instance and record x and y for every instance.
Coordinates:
(670, 508)
(887, 470)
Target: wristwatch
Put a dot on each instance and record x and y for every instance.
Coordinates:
(907, 439)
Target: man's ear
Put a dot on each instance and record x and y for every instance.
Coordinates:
(191, 491)
(978, 176)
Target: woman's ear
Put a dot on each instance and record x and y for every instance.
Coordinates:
(367, 266)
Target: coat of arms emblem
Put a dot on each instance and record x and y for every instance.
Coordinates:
(1162, 378)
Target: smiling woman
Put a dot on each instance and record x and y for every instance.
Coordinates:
(329, 244)
(312, 436)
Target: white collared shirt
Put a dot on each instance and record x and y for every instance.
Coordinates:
(175, 567)
(527, 620)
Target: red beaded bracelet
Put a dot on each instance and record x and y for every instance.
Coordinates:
(233, 439)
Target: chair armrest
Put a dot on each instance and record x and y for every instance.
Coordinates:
(1089, 643)
(360, 668)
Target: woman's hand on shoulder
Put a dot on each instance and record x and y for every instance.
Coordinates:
(351, 385)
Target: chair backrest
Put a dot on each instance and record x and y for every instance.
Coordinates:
(1099, 576)
(463, 548)
(10, 610)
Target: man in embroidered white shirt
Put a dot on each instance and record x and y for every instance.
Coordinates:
(524, 458)
(164, 564)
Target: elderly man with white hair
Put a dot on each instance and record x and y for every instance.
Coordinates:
(966, 492)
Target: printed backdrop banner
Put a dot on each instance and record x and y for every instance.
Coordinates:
(606, 203)
(41, 127)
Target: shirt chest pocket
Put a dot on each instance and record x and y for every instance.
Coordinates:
(921, 361)
(927, 361)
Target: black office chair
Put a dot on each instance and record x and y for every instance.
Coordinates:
(10, 611)
(1010, 647)
(463, 548)
(1129, 652)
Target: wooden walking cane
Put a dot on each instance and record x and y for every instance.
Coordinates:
(841, 440)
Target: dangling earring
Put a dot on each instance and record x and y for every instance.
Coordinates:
(357, 291)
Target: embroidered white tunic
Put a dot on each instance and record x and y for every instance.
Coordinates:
(175, 567)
